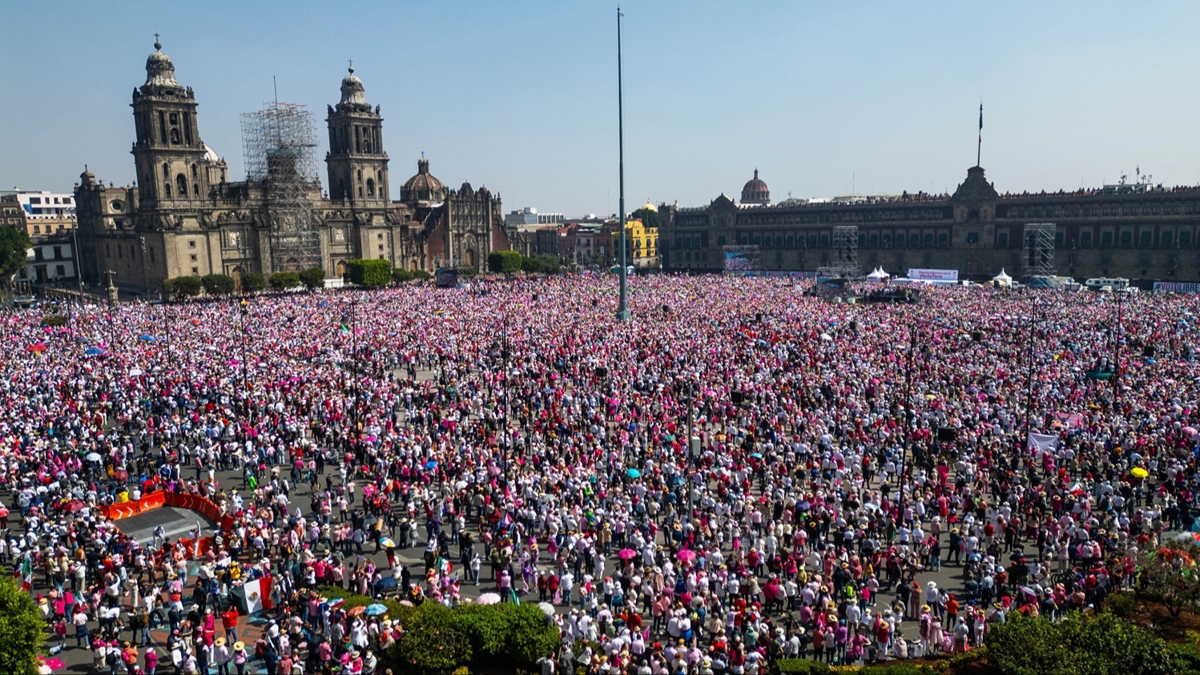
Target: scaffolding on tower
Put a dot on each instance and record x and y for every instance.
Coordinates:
(1039, 250)
(279, 144)
(844, 264)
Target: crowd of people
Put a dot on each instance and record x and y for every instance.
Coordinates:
(739, 474)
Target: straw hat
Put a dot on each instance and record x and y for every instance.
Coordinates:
(220, 642)
(239, 646)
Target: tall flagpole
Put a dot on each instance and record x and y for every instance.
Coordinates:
(623, 304)
(979, 144)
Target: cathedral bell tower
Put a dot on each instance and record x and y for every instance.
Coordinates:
(168, 152)
(356, 161)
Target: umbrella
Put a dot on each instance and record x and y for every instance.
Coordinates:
(756, 455)
(1190, 431)
(136, 372)
(633, 473)
(146, 338)
(376, 609)
(406, 603)
(460, 485)
(74, 506)
(547, 608)
(94, 351)
(93, 457)
(627, 554)
(826, 337)
(355, 611)
(686, 555)
(804, 505)
(387, 543)
(677, 480)
(1138, 472)
(431, 465)
(489, 599)
(54, 663)
(36, 348)
(120, 474)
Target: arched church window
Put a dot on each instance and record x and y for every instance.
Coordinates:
(370, 187)
(174, 136)
(195, 172)
(166, 171)
(181, 185)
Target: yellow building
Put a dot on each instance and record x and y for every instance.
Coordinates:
(643, 240)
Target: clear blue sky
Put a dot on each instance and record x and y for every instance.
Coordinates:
(521, 96)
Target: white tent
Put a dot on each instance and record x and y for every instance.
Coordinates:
(1002, 279)
(878, 275)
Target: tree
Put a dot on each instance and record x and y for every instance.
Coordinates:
(183, 287)
(281, 281)
(21, 628)
(401, 275)
(504, 262)
(421, 275)
(1171, 574)
(217, 284)
(313, 278)
(369, 273)
(14, 243)
(648, 217)
(1103, 644)
(545, 264)
(253, 282)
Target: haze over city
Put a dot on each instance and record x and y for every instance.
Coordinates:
(521, 97)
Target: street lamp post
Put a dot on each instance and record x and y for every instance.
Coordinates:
(623, 304)
(245, 311)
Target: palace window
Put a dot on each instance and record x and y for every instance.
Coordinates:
(1147, 237)
(1085, 238)
(1165, 238)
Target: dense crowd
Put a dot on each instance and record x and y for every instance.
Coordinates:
(740, 474)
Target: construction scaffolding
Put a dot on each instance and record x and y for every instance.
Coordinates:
(844, 263)
(280, 144)
(1038, 255)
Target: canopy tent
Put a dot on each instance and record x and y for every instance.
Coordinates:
(878, 275)
(1002, 279)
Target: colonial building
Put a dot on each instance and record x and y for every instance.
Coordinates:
(1134, 230)
(184, 216)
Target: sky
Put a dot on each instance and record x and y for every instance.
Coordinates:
(822, 98)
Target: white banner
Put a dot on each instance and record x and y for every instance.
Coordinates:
(1042, 442)
(932, 275)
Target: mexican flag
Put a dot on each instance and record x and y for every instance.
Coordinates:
(254, 596)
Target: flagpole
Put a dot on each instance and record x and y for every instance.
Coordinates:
(623, 303)
(979, 143)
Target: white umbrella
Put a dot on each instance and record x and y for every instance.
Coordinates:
(136, 371)
(547, 608)
(488, 599)
(93, 457)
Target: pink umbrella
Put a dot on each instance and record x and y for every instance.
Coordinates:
(489, 599)
(1190, 431)
(627, 554)
(686, 555)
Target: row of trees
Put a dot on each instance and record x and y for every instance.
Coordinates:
(366, 273)
(507, 262)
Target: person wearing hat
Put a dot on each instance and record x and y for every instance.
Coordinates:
(221, 656)
(240, 657)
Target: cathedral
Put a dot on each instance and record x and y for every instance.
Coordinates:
(184, 217)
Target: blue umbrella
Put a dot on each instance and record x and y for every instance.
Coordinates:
(633, 473)
(756, 455)
(804, 505)
(94, 351)
(146, 338)
(376, 609)
(431, 465)
(322, 303)
(677, 480)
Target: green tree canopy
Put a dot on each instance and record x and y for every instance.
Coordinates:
(648, 217)
(281, 281)
(504, 262)
(313, 278)
(21, 629)
(14, 243)
(217, 284)
(183, 287)
(369, 273)
(253, 282)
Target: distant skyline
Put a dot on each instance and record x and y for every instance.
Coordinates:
(823, 99)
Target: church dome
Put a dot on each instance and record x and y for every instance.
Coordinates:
(755, 191)
(160, 72)
(649, 206)
(352, 91)
(423, 187)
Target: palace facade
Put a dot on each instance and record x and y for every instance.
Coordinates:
(1133, 230)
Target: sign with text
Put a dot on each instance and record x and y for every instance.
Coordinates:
(932, 275)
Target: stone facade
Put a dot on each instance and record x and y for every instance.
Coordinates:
(1137, 231)
(184, 217)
